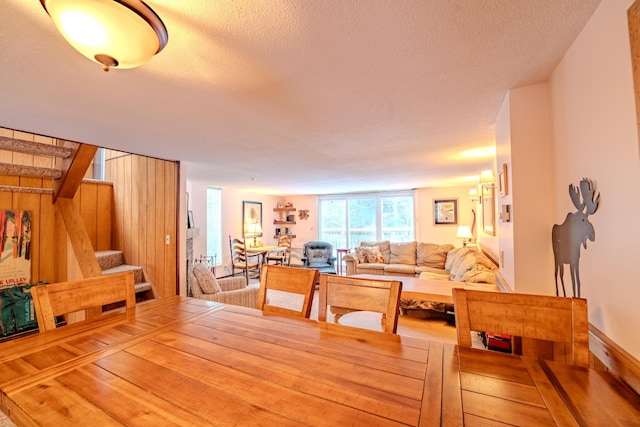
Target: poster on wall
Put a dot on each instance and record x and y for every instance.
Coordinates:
(15, 258)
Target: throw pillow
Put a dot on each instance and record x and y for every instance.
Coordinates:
(206, 279)
(362, 258)
(383, 245)
(432, 255)
(403, 253)
(373, 254)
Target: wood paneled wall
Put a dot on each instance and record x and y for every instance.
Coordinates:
(95, 202)
(145, 213)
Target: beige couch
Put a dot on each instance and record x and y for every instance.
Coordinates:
(424, 260)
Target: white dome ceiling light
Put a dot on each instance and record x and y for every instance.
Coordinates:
(113, 33)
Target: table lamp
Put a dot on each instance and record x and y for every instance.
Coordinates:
(254, 230)
(464, 232)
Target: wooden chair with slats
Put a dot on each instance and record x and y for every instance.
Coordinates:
(356, 294)
(90, 295)
(300, 281)
(281, 257)
(545, 327)
(241, 260)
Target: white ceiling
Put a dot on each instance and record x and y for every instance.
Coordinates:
(297, 96)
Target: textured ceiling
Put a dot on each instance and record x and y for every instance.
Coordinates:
(286, 97)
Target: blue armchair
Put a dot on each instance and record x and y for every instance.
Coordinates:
(319, 255)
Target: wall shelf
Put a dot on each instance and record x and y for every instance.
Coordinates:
(275, 221)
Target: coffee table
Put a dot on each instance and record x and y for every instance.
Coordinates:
(428, 289)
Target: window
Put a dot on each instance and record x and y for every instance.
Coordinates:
(214, 224)
(347, 220)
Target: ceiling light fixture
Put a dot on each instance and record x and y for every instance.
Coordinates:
(113, 33)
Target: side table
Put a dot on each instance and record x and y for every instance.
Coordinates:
(340, 253)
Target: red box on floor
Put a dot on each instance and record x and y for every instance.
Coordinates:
(498, 342)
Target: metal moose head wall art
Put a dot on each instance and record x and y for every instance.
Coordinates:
(573, 232)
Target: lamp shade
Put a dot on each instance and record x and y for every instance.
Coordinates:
(114, 33)
(464, 232)
(487, 177)
(252, 229)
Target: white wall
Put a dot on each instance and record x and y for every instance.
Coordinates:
(595, 136)
(427, 231)
(523, 141)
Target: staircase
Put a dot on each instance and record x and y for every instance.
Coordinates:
(112, 262)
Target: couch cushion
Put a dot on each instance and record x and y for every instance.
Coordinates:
(384, 246)
(433, 276)
(370, 268)
(206, 279)
(432, 255)
(420, 269)
(392, 269)
(403, 253)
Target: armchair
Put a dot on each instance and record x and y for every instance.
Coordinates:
(319, 255)
(230, 290)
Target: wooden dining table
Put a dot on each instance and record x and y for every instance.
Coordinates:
(187, 362)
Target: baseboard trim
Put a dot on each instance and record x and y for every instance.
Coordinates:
(614, 358)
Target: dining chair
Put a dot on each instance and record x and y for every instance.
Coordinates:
(349, 294)
(292, 280)
(547, 327)
(89, 295)
(241, 260)
(281, 257)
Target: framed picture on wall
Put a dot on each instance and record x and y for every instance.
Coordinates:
(251, 214)
(503, 182)
(445, 211)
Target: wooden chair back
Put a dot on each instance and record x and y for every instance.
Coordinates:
(282, 257)
(57, 299)
(240, 260)
(379, 296)
(550, 328)
(300, 281)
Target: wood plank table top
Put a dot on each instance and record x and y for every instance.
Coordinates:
(429, 289)
(189, 362)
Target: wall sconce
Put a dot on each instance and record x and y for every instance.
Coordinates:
(487, 177)
(253, 229)
(474, 196)
(123, 33)
(464, 232)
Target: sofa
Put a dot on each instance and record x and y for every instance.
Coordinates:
(423, 260)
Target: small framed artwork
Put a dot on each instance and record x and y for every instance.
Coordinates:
(252, 213)
(445, 211)
(503, 182)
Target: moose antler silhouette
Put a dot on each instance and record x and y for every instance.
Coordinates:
(573, 232)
